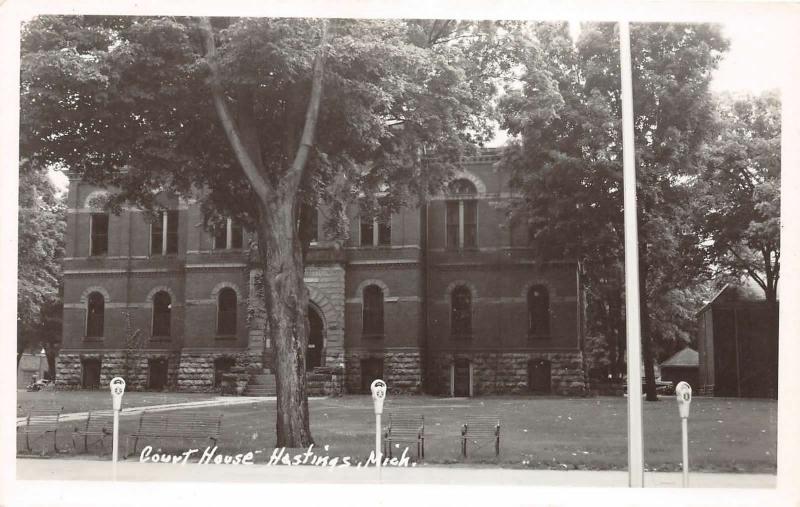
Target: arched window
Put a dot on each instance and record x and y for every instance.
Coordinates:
(461, 215)
(373, 311)
(461, 312)
(95, 315)
(538, 311)
(226, 312)
(162, 308)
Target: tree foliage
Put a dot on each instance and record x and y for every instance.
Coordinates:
(739, 211)
(40, 250)
(567, 160)
(262, 119)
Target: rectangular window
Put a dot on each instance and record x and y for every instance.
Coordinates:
(470, 224)
(236, 234)
(157, 235)
(220, 237)
(228, 235)
(385, 232)
(172, 231)
(461, 222)
(98, 242)
(164, 233)
(452, 224)
(376, 232)
(367, 231)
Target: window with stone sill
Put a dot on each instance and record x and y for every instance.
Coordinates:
(375, 232)
(372, 314)
(228, 236)
(226, 313)
(98, 234)
(461, 313)
(538, 312)
(164, 233)
(162, 316)
(95, 316)
(461, 216)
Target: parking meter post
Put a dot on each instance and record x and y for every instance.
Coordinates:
(378, 456)
(683, 392)
(685, 432)
(117, 386)
(378, 388)
(115, 443)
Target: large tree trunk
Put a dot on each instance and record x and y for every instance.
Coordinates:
(279, 242)
(617, 321)
(286, 304)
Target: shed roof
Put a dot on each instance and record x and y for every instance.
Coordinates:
(747, 291)
(686, 357)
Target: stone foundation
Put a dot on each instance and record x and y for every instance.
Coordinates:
(507, 372)
(196, 371)
(113, 363)
(192, 371)
(325, 381)
(492, 372)
(402, 370)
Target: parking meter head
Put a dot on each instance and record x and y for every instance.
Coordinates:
(683, 392)
(378, 388)
(117, 386)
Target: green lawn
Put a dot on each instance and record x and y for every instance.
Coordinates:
(537, 432)
(83, 401)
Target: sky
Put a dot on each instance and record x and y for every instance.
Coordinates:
(749, 66)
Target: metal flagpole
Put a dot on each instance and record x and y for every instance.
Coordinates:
(633, 324)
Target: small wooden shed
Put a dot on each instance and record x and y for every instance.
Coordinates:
(737, 345)
(683, 366)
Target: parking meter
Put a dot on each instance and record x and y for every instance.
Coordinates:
(683, 392)
(378, 388)
(117, 386)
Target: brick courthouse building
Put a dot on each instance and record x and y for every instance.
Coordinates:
(443, 299)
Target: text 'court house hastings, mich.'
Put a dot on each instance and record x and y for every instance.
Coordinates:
(443, 298)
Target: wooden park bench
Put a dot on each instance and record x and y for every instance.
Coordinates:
(407, 428)
(41, 422)
(99, 425)
(479, 427)
(181, 425)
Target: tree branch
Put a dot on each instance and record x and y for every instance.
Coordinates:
(251, 170)
(291, 181)
(750, 271)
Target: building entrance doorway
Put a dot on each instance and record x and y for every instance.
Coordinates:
(90, 378)
(371, 369)
(157, 374)
(539, 376)
(316, 333)
(462, 378)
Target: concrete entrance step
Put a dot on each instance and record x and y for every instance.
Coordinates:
(261, 384)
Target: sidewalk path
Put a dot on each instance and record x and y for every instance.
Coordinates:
(61, 469)
(220, 401)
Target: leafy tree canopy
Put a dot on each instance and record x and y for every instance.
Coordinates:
(133, 93)
(41, 248)
(567, 159)
(264, 119)
(739, 211)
